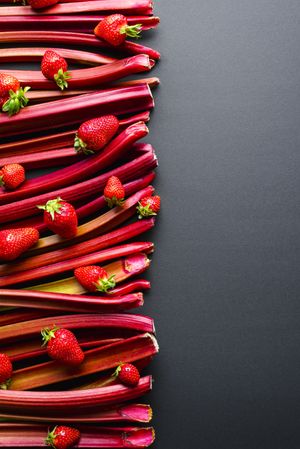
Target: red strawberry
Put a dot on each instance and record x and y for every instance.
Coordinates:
(40, 4)
(11, 176)
(148, 206)
(12, 96)
(5, 371)
(96, 133)
(114, 29)
(14, 242)
(128, 374)
(94, 278)
(62, 345)
(54, 67)
(114, 192)
(62, 437)
(60, 217)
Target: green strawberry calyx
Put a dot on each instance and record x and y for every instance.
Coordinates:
(2, 183)
(117, 371)
(145, 211)
(61, 78)
(48, 334)
(132, 30)
(52, 207)
(104, 284)
(16, 101)
(50, 440)
(114, 201)
(5, 385)
(81, 146)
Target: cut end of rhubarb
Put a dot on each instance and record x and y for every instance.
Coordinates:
(137, 412)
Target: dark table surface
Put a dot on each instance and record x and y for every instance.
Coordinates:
(225, 273)
(226, 269)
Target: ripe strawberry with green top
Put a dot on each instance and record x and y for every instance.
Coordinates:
(62, 345)
(63, 437)
(128, 374)
(94, 134)
(14, 242)
(114, 29)
(6, 370)
(54, 67)
(148, 206)
(40, 4)
(114, 192)
(12, 176)
(94, 278)
(60, 217)
(12, 95)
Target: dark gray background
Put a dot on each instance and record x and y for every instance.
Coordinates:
(225, 273)
(225, 280)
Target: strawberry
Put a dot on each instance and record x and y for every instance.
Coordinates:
(114, 29)
(60, 217)
(54, 67)
(12, 96)
(14, 242)
(11, 176)
(128, 374)
(94, 278)
(114, 192)
(148, 206)
(40, 4)
(94, 134)
(62, 345)
(5, 371)
(62, 437)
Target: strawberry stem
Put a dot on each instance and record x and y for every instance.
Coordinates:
(61, 78)
(16, 101)
(81, 146)
(48, 334)
(49, 441)
(132, 30)
(5, 385)
(52, 207)
(114, 201)
(145, 211)
(105, 284)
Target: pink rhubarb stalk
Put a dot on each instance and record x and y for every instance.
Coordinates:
(76, 23)
(132, 413)
(126, 6)
(78, 192)
(33, 435)
(80, 170)
(94, 258)
(96, 360)
(70, 111)
(65, 38)
(121, 269)
(94, 76)
(69, 303)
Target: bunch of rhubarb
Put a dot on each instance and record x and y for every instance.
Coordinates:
(72, 251)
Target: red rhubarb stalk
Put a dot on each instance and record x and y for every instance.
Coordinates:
(131, 170)
(89, 259)
(131, 413)
(70, 111)
(33, 435)
(126, 6)
(69, 303)
(95, 360)
(80, 170)
(63, 38)
(121, 270)
(14, 332)
(19, 315)
(25, 54)
(94, 76)
(129, 287)
(76, 23)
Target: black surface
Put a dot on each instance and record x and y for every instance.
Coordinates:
(225, 277)
(226, 269)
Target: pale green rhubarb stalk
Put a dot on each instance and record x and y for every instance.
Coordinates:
(96, 360)
(93, 322)
(33, 436)
(132, 413)
(120, 269)
(94, 258)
